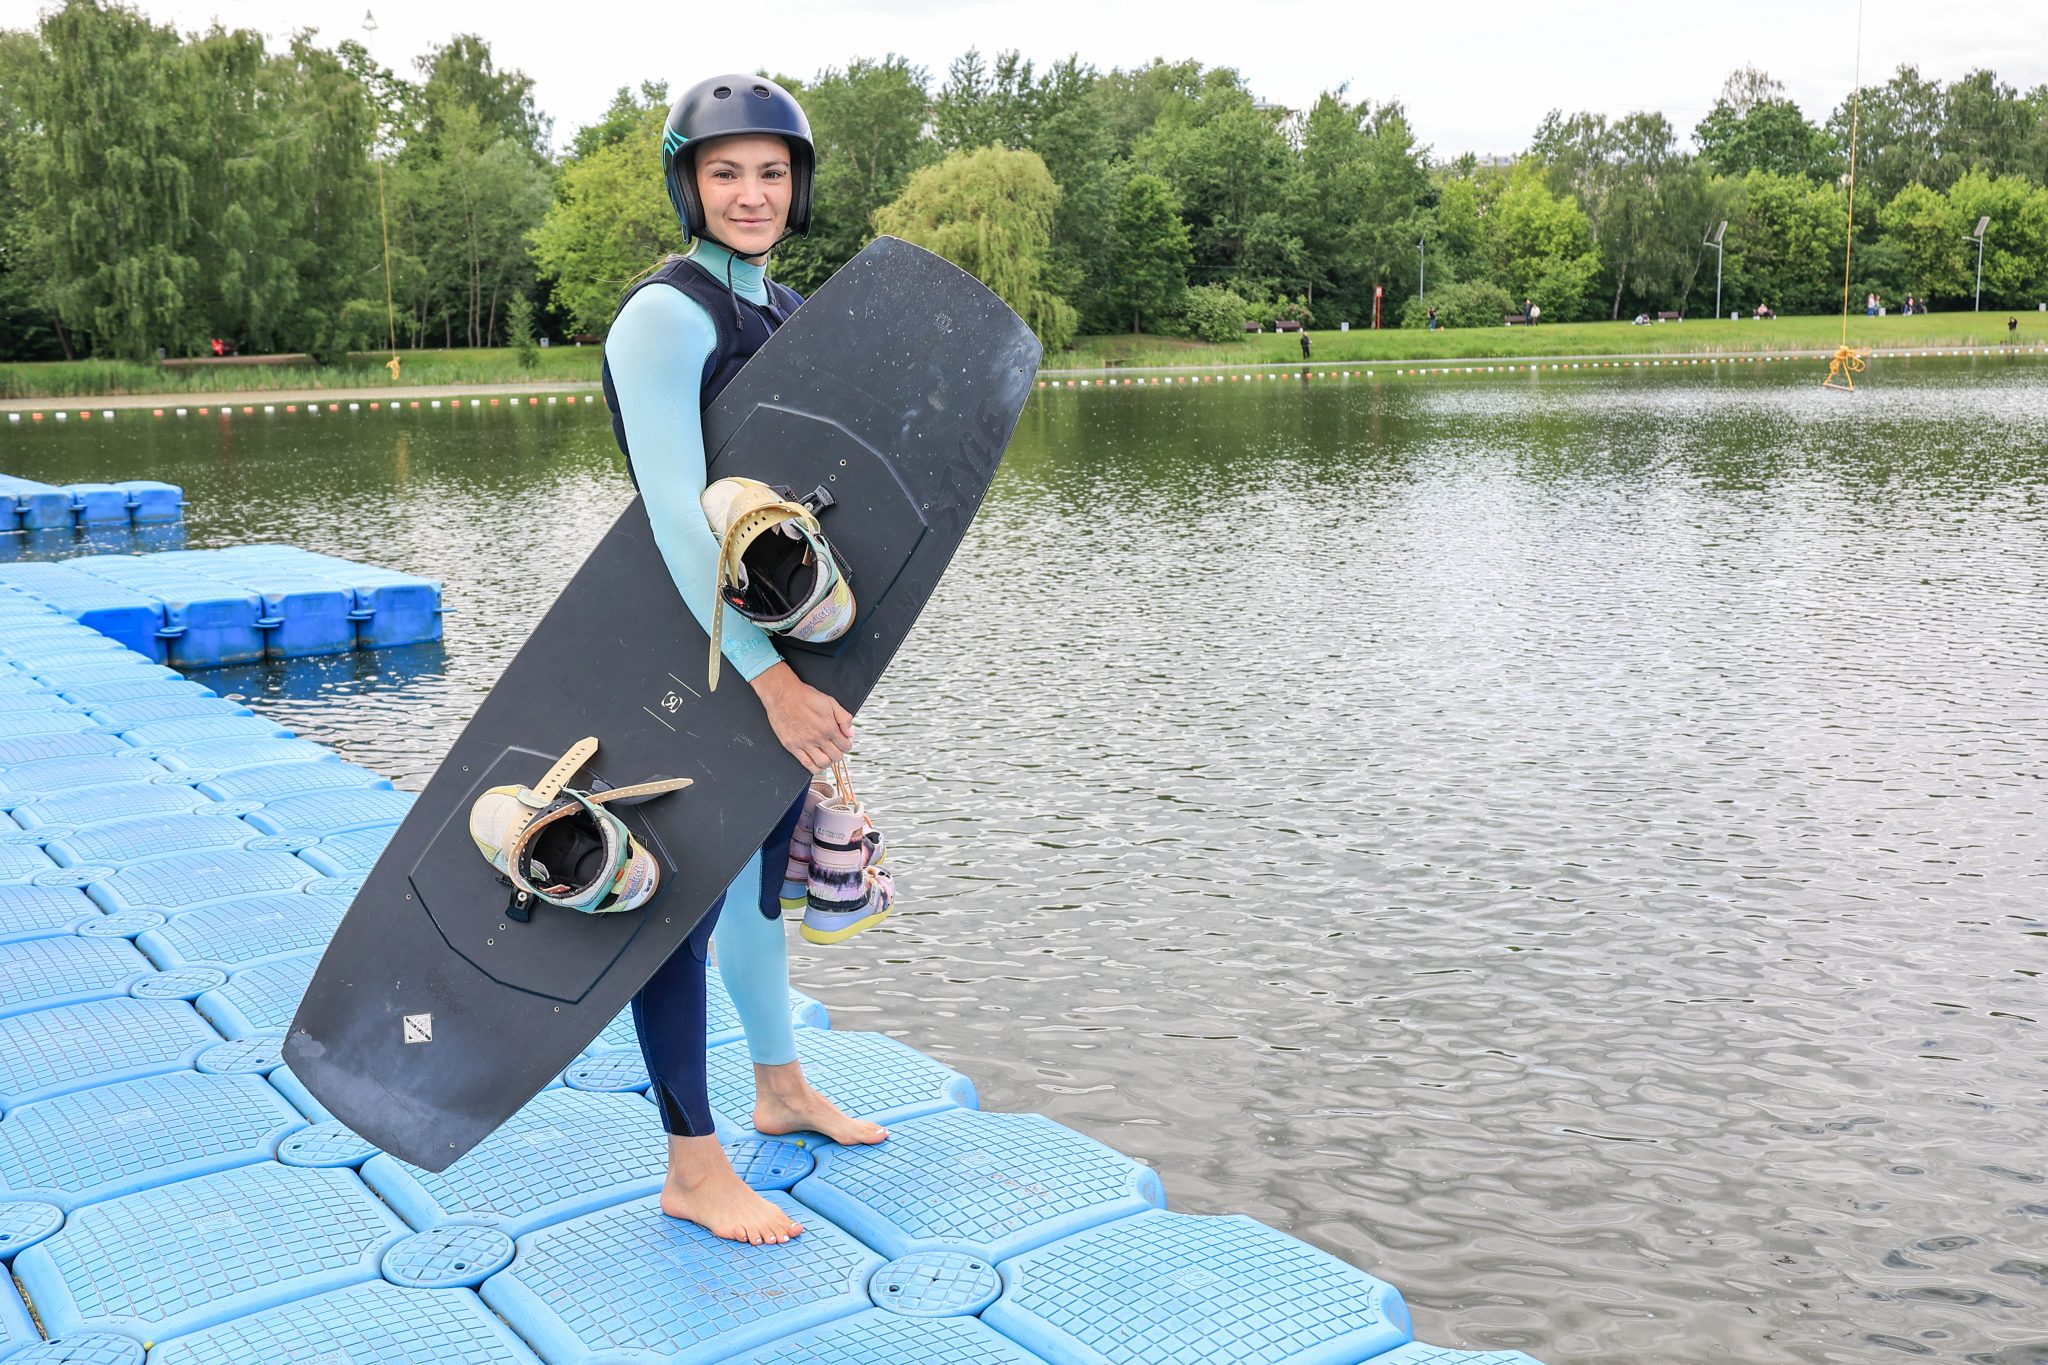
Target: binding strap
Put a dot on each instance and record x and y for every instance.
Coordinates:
(751, 510)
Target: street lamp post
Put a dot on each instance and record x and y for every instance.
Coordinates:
(1713, 239)
(1421, 269)
(1978, 238)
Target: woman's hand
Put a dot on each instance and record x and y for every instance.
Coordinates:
(812, 726)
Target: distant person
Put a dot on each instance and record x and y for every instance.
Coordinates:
(1432, 317)
(1870, 306)
(2012, 327)
(1642, 320)
(1304, 343)
(1763, 312)
(1535, 311)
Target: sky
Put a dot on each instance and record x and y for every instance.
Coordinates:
(1474, 76)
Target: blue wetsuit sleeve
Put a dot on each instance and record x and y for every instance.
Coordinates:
(656, 351)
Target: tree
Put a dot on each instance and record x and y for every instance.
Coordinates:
(1236, 178)
(624, 120)
(990, 211)
(1364, 190)
(1897, 129)
(1784, 243)
(289, 196)
(867, 122)
(26, 321)
(1927, 232)
(1539, 246)
(1645, 203)
(461, 74)
(1151, 251)
(983, 106)
(1753, 126)
(113, 220)
(1986, 126)
(2015, 243)
(519, 331)
(1071, 134)
(610, 221)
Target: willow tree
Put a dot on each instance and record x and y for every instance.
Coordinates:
(990, 211)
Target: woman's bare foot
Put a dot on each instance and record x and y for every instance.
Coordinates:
(703, 1188)
(784, 1102)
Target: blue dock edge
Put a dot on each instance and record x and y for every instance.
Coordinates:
(26, 505)
(209, 608)
(170, 1193)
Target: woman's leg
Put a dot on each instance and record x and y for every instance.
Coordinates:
(702, 1186)
(753, 959)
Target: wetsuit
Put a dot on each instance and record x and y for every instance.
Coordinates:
(665, 359)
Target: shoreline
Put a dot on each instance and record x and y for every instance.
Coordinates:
(572, 390)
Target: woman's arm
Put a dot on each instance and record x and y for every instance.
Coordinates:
(656, 351)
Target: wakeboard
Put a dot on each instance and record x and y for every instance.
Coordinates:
(435, 1013)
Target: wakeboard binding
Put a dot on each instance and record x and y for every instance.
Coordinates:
(775, 566)
(561, 844)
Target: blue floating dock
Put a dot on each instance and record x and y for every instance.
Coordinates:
(170, 868)
(75, 1047)
(566, 1153)
(121, 1139)
(605, 1287)
(203, 1251)
(993, 1184)
(247, 932)
(259, 1000)
(324, 814)
(26, 505)
(32, 912)
(367, 1324)
(1184, 1288)
(878, 1338)
(208, 608)
(868, 1075)
(46, 972)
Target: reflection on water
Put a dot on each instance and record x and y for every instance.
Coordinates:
(1573, 846)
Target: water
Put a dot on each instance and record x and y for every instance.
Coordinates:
(1573, 846)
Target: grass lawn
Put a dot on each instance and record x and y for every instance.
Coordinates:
(493, 365)
(571, 364)
(1556, 339)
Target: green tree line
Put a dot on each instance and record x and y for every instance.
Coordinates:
(159, 190)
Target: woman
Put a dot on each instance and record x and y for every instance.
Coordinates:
(738, 160)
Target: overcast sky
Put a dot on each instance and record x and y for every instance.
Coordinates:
(1475, 75)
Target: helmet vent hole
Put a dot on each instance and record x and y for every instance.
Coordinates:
(761, 91)
(723, 92)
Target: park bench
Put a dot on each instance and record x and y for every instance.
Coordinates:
(1253, 327)
(1515, 319)
(1671, 317)
(207, 361)
(1288, 325)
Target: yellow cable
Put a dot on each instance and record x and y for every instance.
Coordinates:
(390, 314)
(1847, 360)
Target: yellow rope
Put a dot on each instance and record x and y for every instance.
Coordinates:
(390, 314)
(1849, 360)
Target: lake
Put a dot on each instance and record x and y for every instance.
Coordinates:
(1574, 845)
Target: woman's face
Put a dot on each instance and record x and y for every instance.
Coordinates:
(744, 183)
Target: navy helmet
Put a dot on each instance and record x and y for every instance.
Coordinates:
(725, 106)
